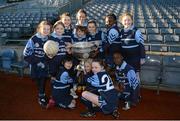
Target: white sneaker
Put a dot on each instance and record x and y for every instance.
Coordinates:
(71, 106)
(73, 93)
(127, 106)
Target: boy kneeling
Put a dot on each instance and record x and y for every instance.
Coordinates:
(126, 76)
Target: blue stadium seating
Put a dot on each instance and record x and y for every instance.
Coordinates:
(171, 39)
(20, 66)
(151, 70)
(171, 72)
(8, 56)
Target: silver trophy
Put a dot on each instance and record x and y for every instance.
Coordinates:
(82, 51)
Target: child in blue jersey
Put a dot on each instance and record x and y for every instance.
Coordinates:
(84, 74)
(61, 85)
(132, 43)
(107, 100)
(62, 41)
(88, 73)
(80, 34)
(81, 17)
(87, 70)
(113, 40)
(35, 56)
(126, 76)
(66, 20)
(97, 36)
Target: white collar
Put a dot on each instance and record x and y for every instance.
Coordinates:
(123, 65)
(68, 28)
(94, 33)
(130, 28)
(55, 35)
(40, 36)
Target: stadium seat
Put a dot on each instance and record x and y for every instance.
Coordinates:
(152, 31)
(171, 72)
(174, 48)
(158, 48)
(143, 30)
(174, 25)
(166, 31)
(162, 25)
(7, 58)
(153, 38)
(20, 66)
(177, 31)
(1, 30)
(150, 25)
(16, 33)
(8, 29)
(151, 71)
(171, 39)
(150, 20)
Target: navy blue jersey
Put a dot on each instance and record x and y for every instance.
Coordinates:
(98, 36)
(61, 88)
(56, 61)
(102, 81)
(108, 98)
(61, 43)
(132, 44)
(113, 40)
(112, 43)
(68, 31)
(125, 74)
(35, 56)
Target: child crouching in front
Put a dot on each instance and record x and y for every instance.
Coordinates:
(107, 99)
(126, 76)
(61, 86)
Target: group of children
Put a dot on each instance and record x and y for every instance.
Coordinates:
(121, 50)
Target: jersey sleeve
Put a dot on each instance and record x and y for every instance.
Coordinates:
(133, 81)
(28, 51)
(65, 78)
(139, 39)
(94, 80)
(113, 35)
